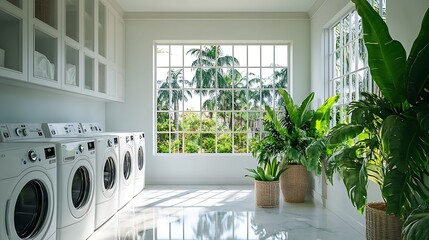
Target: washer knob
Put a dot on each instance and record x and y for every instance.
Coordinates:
(32, 155)
(25, 132)
(81, 148)
(109, 143)
(18, 132)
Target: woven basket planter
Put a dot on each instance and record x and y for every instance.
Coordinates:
(267, 193)
(294, 183)
(379, 225)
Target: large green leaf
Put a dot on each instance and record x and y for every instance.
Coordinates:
(314, 152)
(344, 132)
(304, 114)
(421, 41)
(289, 104)
(418, 78)
(405, 142)
(320, 120)
(353, 172)
(386, 57)
(402, 192)
(416, 225)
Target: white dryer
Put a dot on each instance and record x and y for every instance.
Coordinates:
(126, 160)
(28, 183)
(140, 153)
(106, 167)
(75, 178)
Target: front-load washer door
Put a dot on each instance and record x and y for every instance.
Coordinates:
(30, 209)
(140, 160)
(80, 188)
(109, 176)
(127, 167)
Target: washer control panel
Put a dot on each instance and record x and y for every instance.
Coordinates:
(91, 128)
(62, 130)
(17, 131)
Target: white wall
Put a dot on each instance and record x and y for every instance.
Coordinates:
(139, 89)
(403, 19)
(23, 104)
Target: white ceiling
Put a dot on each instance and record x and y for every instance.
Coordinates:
(216, 5)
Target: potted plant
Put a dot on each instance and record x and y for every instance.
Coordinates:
(266, 176)
(386, 140)
(289, 133)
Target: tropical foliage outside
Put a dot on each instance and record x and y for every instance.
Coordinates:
(211, 98)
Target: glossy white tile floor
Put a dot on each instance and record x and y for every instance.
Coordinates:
(219, 212)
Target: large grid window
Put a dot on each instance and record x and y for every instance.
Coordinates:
(210, 98)
(348, 67)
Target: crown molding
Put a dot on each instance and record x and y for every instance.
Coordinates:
(216, 16)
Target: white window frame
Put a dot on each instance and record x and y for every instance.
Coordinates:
(256, 130)
(345, 80)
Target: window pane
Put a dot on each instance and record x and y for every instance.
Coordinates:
(254, 78)
(208, 142)
(162, 56)
(254, 56)
(192, 143)
(240, 53)
(240, 143)
(240, 121)
(191, 55)
(267, 56)
(224, 143)
(281, 77)
(281, 55)
(176, 55)
(239, 77)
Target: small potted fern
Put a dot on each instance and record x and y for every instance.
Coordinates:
(266, 176)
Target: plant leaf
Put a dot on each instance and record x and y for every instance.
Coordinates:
(421, 41)
(416, 225)
(402, 192)
(320, 120)
(353, 173)
(386, 57)
(303, 111)
(418, 78)
(289, 104)
(405, 143)
(344, 132)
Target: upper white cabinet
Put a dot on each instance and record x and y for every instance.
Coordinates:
(13, 44)
(44, 43)
(65, 44)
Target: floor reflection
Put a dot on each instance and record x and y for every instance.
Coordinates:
(218, 212)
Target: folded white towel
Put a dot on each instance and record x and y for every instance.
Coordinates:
(71, 74)
(43, 67)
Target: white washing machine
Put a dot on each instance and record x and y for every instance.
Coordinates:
(28, 183)
(140, 153)
(75, 178)
(106, 167)
(126, 160)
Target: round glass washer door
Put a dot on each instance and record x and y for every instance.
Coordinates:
(30, 209)
(127, 166)
(109, 175)
(140, 159)
(80, 188)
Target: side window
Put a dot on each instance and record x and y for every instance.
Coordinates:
(348, 67)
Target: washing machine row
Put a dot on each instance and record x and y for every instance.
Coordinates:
(133, 142)
(97, 174)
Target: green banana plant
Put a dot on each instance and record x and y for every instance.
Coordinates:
(267, 171)
(391, 131)
(298, 128)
